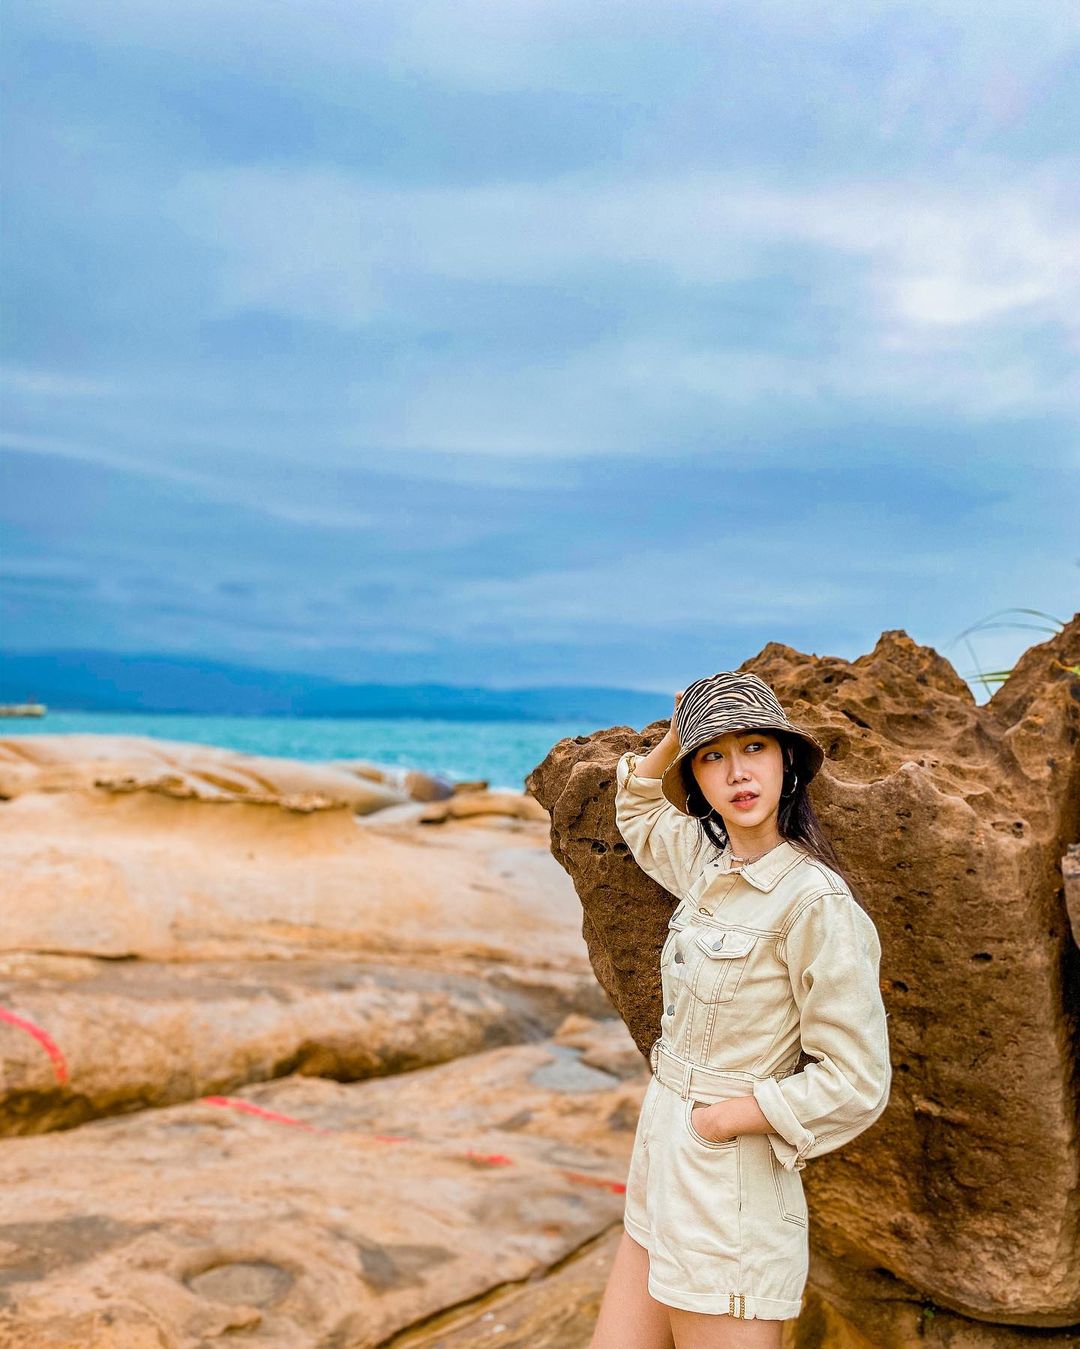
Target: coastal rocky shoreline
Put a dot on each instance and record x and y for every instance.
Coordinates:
(331, 1055)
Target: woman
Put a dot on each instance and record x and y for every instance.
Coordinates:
(768, 958)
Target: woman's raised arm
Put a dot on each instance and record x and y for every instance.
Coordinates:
(667, 845)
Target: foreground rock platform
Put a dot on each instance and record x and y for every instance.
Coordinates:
(309, 1212)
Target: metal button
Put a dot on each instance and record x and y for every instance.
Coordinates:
(707, 912)
(671, 1010)
(678, 957)
(717, 944)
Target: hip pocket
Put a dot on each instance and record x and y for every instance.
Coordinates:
(701, 1141)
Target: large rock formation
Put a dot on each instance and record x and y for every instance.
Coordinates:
(951, 820)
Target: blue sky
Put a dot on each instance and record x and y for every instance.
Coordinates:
(537, 343)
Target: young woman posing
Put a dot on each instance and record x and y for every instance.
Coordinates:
(768, 957)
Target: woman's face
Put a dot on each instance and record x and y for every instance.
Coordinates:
(737, 764)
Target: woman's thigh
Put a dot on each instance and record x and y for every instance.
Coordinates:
(699, 1330)
(630, 1317)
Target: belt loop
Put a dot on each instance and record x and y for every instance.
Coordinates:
(688, 1069)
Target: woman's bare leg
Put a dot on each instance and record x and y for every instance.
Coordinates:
(699, 1330)
(630, 1317)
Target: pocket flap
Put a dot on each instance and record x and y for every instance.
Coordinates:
(721, 945)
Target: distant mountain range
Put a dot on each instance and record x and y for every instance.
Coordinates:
(101, 681)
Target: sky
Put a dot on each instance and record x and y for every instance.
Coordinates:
(538, 343)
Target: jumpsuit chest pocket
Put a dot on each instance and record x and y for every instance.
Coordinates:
(715, 962)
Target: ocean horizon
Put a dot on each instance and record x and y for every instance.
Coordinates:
(500, 752)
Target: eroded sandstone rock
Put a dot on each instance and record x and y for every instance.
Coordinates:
(127, 1035)
(197, 772)
(464, 805)
(951, 820)
(151, 876)
(308, 1211)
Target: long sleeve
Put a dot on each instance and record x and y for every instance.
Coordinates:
(833, 956)
(665, 843)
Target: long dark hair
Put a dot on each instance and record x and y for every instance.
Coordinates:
(795, 819)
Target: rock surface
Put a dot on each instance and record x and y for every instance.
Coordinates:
(164, 878)
(127, 1035)
(951, 820)
(191, 771)
(310, 1212)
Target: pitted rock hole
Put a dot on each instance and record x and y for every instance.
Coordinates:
(256, 1283)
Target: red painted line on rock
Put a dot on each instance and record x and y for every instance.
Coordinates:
(43, 1038)
(488, 1158)
(582, 1178)
(491, 1158)
(235, 1103)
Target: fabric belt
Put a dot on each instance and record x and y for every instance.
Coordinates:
(704, 1084)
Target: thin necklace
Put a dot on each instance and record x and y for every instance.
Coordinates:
(735, 857)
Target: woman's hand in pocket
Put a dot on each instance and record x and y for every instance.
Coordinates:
(708, 1121)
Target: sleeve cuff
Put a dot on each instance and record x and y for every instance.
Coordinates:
(792, 1139)
(625, 772)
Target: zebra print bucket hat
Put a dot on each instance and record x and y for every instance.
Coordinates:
(732, 701)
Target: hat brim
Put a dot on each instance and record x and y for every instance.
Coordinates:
(813, 756)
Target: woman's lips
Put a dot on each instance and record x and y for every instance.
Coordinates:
(745, 803)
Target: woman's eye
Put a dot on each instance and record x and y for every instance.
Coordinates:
(716, 754)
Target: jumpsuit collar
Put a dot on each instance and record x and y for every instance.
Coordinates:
(766, 871)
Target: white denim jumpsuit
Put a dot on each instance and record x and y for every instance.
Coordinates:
(759, 963)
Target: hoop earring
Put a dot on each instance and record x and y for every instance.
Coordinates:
(793, 786)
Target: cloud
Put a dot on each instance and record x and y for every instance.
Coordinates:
(324, 244)
(437, 328)
(918, 284)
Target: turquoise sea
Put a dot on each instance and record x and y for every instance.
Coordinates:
(501, 752)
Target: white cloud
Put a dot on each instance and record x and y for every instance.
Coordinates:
(320, 244)
(928, 293)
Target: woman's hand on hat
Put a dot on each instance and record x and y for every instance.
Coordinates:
(678, 699)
